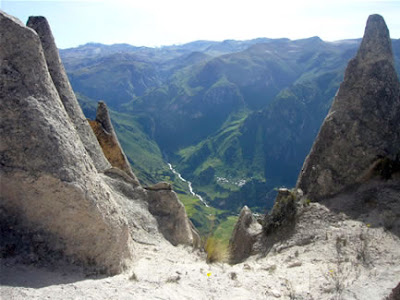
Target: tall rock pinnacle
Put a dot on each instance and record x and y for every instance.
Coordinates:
(64, 89)
(244, 236)
(376, 43)
(363, 124)
(109, 143)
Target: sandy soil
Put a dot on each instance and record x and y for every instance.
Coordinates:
(330, 257)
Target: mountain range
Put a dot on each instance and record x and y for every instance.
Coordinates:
(236, 118)
(76, 222)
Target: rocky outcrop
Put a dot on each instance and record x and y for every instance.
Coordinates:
(160, 186)
(60, 196)
(244, 235)
(363, 124)
(108, 141)
(48, 180)
(171, 216)
(132, 201)
(284, 210)
(65, 92)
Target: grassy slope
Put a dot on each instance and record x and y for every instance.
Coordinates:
(266, 148)
(221, 164)
(209, 221)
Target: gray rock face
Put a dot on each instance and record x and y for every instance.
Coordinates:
(103, 117)
(48, 180)
(363, 124)
(244, 235)
(61, 82)
(172, 219)
(53, 186)
(132, 201)
(109, 143)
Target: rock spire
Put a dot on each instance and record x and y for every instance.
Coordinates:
(244, 235)
(66, 94)
(363, 124)
(108, 141)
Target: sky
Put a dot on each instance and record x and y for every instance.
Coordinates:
(155, 23)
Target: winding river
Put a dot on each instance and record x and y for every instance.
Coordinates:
(189, 185)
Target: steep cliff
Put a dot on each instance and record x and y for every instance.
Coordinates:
(363, 124)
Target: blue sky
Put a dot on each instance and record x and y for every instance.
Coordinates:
(167, 22)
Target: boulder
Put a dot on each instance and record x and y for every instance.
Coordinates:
(363, 124)
(171, 216)
(244, 235)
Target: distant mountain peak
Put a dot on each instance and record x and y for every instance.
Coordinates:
(314, 38)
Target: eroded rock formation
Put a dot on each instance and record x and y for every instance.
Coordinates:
(67, 96)
(244, 236)
(104, 131)
(171, 215)
(48, 180)
(353, 167)
(363, 124)
(56, 183)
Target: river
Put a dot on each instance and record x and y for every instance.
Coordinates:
(189, 185)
